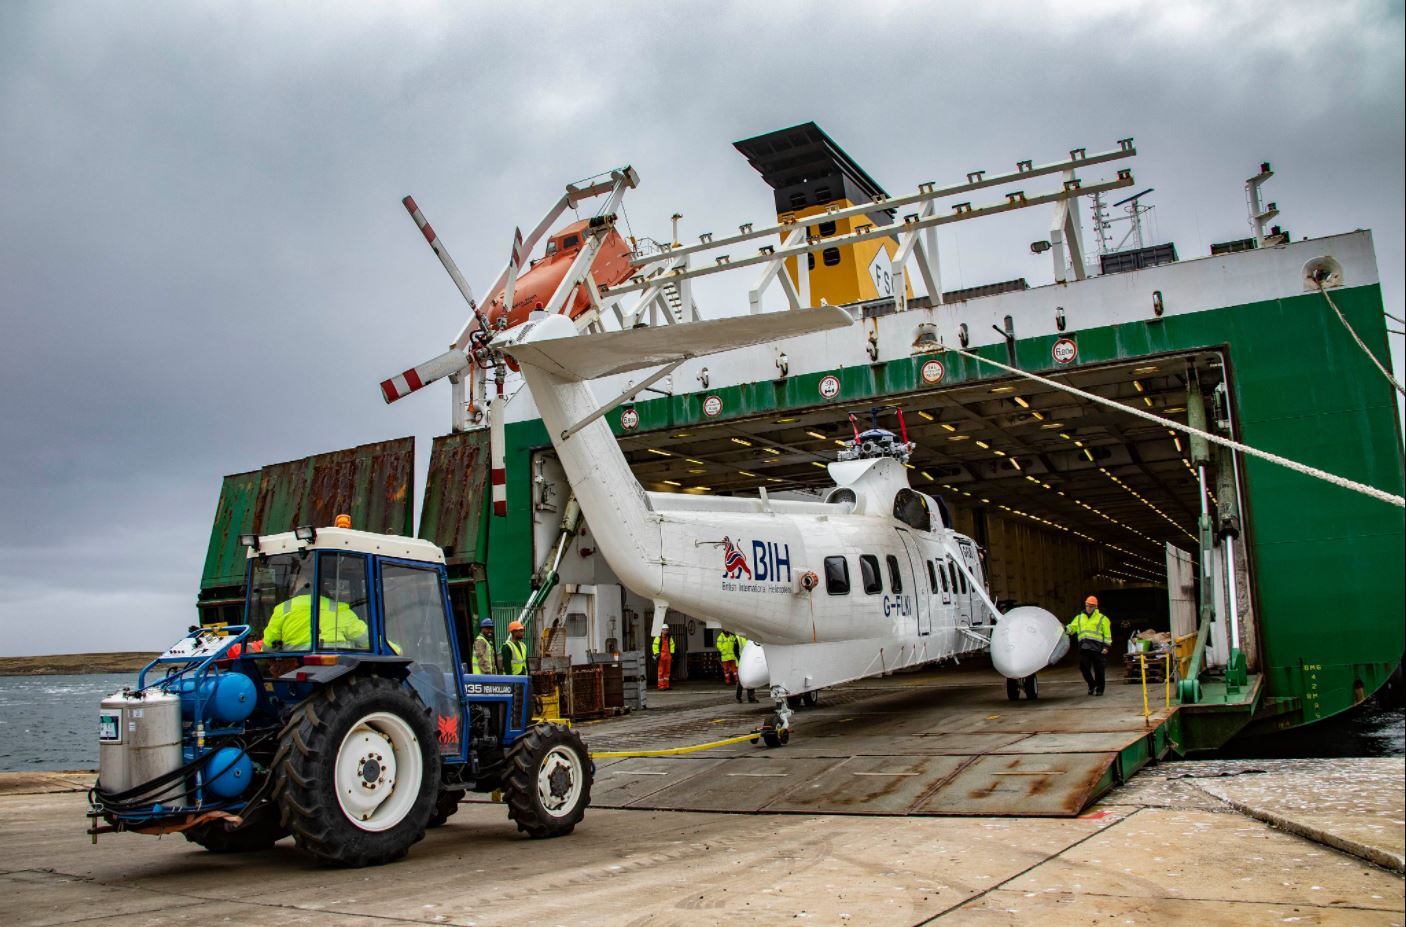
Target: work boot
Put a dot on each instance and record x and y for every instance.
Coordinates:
(1091, 691)
(739, 696)
(751, 695)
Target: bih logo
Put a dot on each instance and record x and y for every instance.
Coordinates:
(770, 561)
(734, 563)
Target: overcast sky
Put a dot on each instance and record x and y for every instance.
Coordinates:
(205, 266)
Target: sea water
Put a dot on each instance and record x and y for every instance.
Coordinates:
(51, 722)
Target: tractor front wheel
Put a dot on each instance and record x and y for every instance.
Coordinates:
(548, 781)
(358, 772)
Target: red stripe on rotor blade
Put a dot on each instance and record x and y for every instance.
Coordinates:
(389, 391)
(412, 379)
(427, 232)
(409, 203)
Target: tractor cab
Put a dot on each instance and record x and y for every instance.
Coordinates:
(356, 599)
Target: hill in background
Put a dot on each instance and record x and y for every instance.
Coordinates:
(74, 664)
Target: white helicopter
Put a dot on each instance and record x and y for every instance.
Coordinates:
(870, 580)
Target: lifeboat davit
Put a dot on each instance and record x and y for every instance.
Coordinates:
(535, 285)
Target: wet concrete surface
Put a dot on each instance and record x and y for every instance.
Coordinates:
(873, 747)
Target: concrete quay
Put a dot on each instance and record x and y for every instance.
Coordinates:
(1180, 843)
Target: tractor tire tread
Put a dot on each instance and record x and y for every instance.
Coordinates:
(520, 786)
(303, 771)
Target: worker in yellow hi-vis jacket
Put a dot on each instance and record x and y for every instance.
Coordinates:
(1093, 636)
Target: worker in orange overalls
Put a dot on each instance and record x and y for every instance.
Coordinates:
(663, 657)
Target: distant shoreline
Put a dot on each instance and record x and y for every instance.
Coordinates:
(74, 664)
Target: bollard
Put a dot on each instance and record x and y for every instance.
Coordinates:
(1146, 712)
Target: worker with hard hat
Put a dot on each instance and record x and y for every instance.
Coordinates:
(1093, 636)
(513, 656)
(663, 649)
(727, 653)
(485, 660)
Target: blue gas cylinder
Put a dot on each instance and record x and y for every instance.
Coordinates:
(227, 772)
(229, 697)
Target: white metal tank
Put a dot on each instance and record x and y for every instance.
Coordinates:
(139, 739)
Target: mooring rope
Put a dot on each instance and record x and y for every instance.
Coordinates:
(1360, 343)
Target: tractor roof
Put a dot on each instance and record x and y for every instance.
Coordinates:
(362, 542)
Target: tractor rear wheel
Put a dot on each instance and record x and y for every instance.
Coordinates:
(358, 772)
(259, 831)
(548, 781)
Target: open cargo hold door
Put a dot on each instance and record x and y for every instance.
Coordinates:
(453, 518)
(371, 483)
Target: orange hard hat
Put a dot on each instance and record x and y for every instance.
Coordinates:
(517, 626)
(1092, 600)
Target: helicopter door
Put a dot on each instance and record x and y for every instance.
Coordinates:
(915, 582)
(976, 611)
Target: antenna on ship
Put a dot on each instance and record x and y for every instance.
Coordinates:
(1135, 211)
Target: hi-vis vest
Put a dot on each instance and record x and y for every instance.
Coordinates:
(483, 652)
(1091, 627)
(727, 647)
(518, 648)
(656, 645)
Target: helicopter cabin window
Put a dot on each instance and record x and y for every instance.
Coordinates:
(571, 241)
(943, 573)
(952, 573)
(932, 577)
(869, 574)
(831, 256)
(836, 576)
(895, 580)
(911, 508)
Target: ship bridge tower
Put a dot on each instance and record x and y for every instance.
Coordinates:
(811, 175)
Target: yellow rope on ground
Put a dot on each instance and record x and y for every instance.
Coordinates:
(675, 751)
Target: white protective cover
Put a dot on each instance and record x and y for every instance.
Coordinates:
(1026, 640)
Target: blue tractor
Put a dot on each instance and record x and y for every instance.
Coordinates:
(341, 712)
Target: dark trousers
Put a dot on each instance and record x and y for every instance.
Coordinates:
(1092, 664)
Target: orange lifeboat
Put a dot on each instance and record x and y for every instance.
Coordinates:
(535, 285)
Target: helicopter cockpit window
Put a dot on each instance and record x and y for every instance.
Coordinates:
(911, 508)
